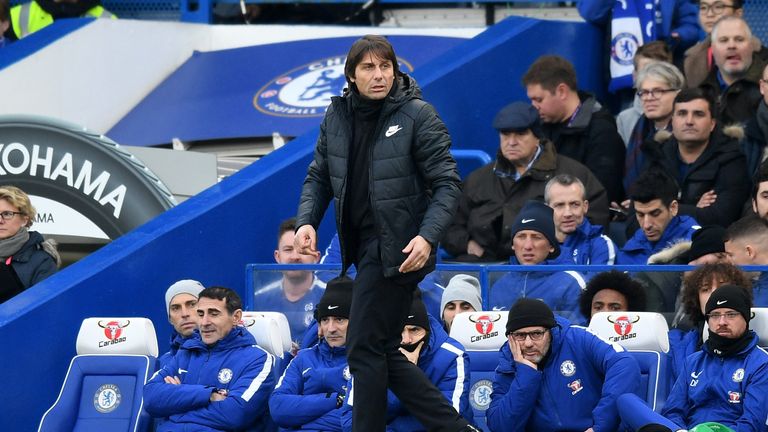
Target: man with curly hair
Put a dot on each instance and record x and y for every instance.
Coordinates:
(611, 291)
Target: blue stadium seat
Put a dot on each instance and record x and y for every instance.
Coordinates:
(469, 160)
(644, 336)
(103, 388)
(482, 334)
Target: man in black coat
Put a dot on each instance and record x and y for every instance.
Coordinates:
(383, 154)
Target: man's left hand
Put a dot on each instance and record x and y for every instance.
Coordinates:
(418, 250)
(413, 357)
(172, 380)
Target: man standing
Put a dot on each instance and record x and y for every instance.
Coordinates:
(579, 240)
(384, 155)
(181, 303)
(725, 382)
(553, 376)
(575, 122)
(494, 194)
(220, 379)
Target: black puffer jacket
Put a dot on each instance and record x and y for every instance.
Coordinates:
(738, 102)
(414, 184)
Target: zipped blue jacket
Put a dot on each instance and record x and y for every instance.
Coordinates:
(560, 290)
(588, 245)
(577, 388)
(176, 341)
(305, 396)
(681, 345)
(732, 390)
(638, 248)
(235, 364)
(446, 365)
(760, 291)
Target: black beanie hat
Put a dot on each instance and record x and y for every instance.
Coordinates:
(417, 316)
(539, 217)
(527, 312)
(337, 299)
(704, 241)
(731, 297)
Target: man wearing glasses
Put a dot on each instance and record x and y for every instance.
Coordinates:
(725, 382)
(554, 376)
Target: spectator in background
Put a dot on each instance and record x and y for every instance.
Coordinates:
(312, 389)
(298, 291)
(181, 304)
(556, 376)
(657, 85)
(579, 240)
(611, 291)
(746, 243)
(760, 192)
(735, 77)
(575, 122)
(462, 294)
(686, 338)
(494, 194)
(756, 129)
(29, 17)
(220, 379)
(708, 165)
(654, 199)
(26, 257)
(534, 242)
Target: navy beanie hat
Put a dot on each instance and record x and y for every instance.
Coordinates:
(539, 217)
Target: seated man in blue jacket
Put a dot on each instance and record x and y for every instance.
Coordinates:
(553, 376)
(312, 389)
(579, 240)
(441, 358)
(725, 382)
(219, 380)
(534, 243)
(181, 303)
(654, 198)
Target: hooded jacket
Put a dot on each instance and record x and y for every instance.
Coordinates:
(413, 182)
(732, 390)
(662, 288)
(588, 245)
(305, 396)
(235, 363)
(638, 248)
(591, 138)
(490, 203)
(575, 387)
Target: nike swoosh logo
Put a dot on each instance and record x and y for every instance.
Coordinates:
(695, 375)
(305, 371)
(719, 302)
(527, 220)
(332, 307)
(498, 308)
(181, 371)
(392, 130)
(411, 316)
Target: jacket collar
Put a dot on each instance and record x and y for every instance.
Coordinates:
(236, 338)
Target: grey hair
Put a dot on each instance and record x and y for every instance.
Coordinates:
(564, 180)
(731, 18)
(663, 72)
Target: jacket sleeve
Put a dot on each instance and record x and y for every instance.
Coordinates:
(686, 23)
(457, 236)
(245, 402)
(46, 268)
(676, 406)
(316, 192)
(595, 11)
(454, 384)
(606, 160)
(511, 401)
(603, 251)
(163, 400)
(622, 375)
(289, 406)
(753, 418)
(330, 421)
(732, 192)
(432, 154)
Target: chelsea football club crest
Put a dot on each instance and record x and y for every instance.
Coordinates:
(480, 394)
(346, 374)
(567, 368)
(623, 48)
(225, 375)
(107, 398)
(738, 376)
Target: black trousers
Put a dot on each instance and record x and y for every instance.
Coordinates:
(377, 317)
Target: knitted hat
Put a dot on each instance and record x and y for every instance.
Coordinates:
(527, 312)
(184, 286)
(518, 117)
(336, 300)
(538, 216)
(705, 240)
(462, 287)
(731, 297)
(417, 316)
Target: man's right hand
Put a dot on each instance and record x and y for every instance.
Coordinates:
(517, 353)
(305, 241)
(474, 248)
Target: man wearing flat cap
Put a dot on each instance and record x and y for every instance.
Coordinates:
(534, 243)
(553, 376)
(494, 194)
(725, 382)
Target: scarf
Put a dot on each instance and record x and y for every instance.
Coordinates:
(727, 347)
(632, 25)
(11, 245)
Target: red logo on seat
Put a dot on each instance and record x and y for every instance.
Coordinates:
(623, 325)
(484, 323)
(113, 329)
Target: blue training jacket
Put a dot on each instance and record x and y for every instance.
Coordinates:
(560, 290)
(235, 363)
(681, 345)
(305, 396)
(577, 389)
(760, 291)
(731, 390)
(176, 341)
(638, 248)
(588, 245)
(446, 365)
